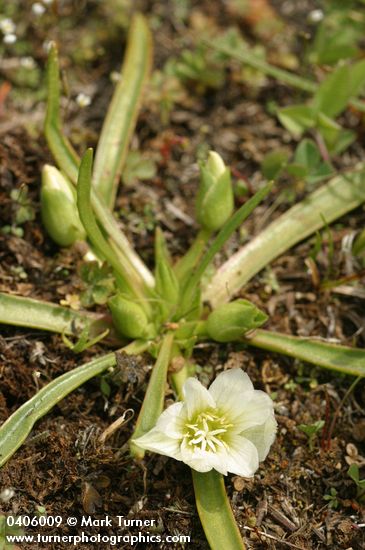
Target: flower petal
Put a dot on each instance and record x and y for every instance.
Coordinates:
(262, 436)
(242, 456)
(249, 412)
(160, 443)
(196, 397)
(172, 421)
(196, 458)
(230, 388)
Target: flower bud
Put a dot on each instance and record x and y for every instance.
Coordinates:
(58, 208)
(214, 203)
(129, 318)
(231, 321)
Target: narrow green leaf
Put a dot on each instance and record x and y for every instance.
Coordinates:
(16, 428)
(30, 313)
(26, 312)
(185, 265)
(66, 158)
(215, 512)
(154, 398)
(95, 235)
(330, 356)
(122, 113)
(359, 244)
(68, 161)
(331, 201)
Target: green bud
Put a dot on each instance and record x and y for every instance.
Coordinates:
(215, 202)
(231, 321)
(129, 318)
(58, 208)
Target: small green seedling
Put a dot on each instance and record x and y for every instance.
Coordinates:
(99, 282)
(137, 168)
(311, 431)
(354, 473)
(331, 497)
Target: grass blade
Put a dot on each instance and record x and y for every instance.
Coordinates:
(328, 203)
(215, 512)
(121, 118)
(330, 356)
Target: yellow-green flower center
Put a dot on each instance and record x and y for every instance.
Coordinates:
(207, 432)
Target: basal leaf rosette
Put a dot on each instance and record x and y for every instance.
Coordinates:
(228, 428)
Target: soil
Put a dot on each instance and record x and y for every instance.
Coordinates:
(65, 467)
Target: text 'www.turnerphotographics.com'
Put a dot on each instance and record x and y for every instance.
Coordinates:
(143, 530)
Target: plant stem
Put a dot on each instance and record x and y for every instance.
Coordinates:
(211, 499)
(215, 512)
(154, 398)
(178, 379)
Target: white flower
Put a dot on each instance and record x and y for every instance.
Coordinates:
(28, 62)
(83, 100)
(38, 8)
(7, 26)
(9, 39)
(315, 16)
(229, 427)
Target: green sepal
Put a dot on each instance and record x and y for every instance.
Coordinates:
(129, 318)
(231, 321)
(215, 199)
(58, 208)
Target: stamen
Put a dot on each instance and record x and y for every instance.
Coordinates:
(207, 432)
